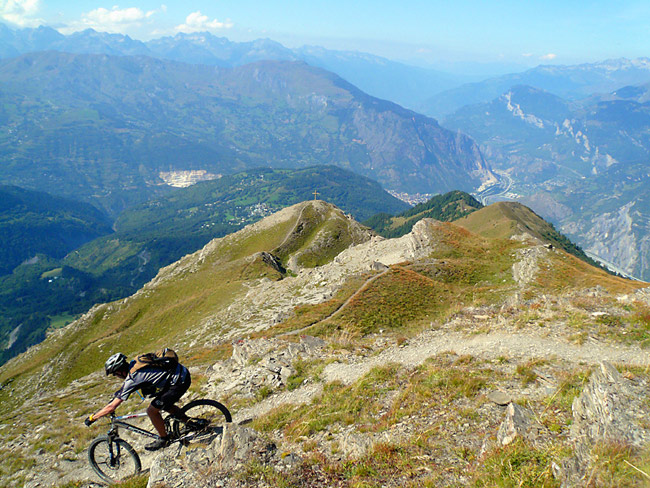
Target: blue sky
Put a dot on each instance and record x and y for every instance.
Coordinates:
(522, 32)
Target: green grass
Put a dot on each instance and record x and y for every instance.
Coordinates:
(52, 273)
(562, 272)
(62, 320)
(309, 315)
(338, 404)
(571, 386)
(434, 382)
(305, 369)
(518, 465)
(394, 302)
(440, 383)
(619, 465)
(464, 269)
(317, 239)
(634, 328)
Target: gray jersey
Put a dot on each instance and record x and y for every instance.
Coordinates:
(151, 380)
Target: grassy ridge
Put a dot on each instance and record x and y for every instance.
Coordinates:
(508, 219)
(466, 269)
(184, 294)
(157, 233)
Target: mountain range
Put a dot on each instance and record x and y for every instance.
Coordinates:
(377, 76)
(572, 82)
(104, 128)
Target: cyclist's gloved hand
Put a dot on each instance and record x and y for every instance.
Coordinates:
(89, 421)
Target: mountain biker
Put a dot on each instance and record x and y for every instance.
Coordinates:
(167, 386)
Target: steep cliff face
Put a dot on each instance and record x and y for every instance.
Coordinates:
(620, 238)
(347, 351)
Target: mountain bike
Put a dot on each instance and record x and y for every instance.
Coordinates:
(114, 459)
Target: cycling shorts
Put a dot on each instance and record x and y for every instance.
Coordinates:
(170, 396)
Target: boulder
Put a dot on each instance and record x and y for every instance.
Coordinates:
(519, 422)
(499, 397)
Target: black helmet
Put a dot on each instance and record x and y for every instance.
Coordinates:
(115, 363)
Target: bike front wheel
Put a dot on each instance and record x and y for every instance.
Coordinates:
(113, 460)
(205, 415)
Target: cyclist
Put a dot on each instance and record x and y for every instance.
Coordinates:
(167, 386)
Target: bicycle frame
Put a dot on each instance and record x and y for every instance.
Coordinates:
(117, 422)
(120, 422)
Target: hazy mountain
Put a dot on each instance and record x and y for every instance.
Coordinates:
(571, 82)
(380, 77)
(532, 125)
(408, 348)
(104, 127)
(22, 41)
(407, 85)
(580, 164)
(204, 48)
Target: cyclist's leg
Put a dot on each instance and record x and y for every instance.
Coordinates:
(166, 401)
(156, 419)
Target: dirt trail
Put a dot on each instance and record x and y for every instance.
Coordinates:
(339, 309)
(490, 346)
(523, 346)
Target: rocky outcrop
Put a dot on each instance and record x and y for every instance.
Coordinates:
(211, 464)
(610, 410)
(525, 270)
(269, 302)
(261, 366)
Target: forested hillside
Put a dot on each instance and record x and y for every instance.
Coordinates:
(34, 223)
(447, 207)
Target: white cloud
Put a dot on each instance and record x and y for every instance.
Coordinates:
(527, 55)
(20, 12)
(115, 16)
(113, 20)
(548, 57)
(197, 22)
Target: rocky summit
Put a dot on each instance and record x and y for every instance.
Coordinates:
(473, 353)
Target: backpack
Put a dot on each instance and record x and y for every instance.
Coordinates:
(164, 359)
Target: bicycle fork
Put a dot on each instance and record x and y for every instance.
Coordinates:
(113, 449)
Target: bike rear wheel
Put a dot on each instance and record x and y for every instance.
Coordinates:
(209, 414)
(113, 460)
